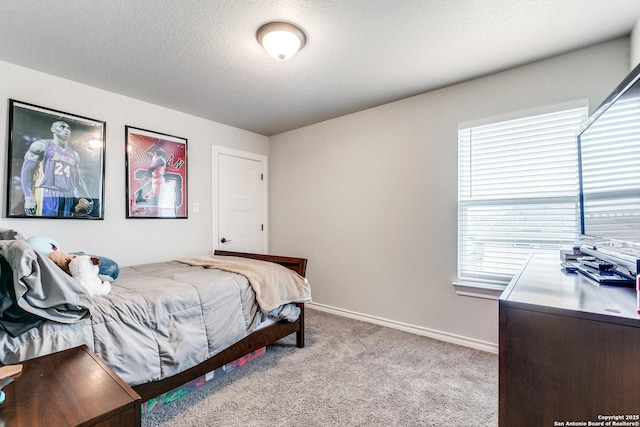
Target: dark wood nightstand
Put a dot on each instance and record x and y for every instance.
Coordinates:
(69, 388)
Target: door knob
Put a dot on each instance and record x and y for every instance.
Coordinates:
(223, 240)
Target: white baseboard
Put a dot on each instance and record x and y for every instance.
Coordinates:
(418, 330)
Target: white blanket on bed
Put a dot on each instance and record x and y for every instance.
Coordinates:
(273, 283)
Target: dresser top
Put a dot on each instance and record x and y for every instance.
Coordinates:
(541, 285)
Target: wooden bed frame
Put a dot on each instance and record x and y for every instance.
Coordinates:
(250, 343)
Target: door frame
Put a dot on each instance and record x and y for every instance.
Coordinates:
(215, 215)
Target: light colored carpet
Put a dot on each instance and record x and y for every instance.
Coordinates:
(350, 373)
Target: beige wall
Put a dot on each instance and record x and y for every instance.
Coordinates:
(370, 198)
(128, 241)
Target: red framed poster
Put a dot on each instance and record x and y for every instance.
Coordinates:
(156, 168)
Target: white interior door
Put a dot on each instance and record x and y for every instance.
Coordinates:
(240, 190)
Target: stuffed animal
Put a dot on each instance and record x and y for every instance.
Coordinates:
(43, 244)
(109, 269)
(84, 269)
(62, 259)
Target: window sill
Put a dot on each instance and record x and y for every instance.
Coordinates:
(478, 290)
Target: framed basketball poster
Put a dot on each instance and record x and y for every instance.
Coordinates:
(156, 174)
(55, 166)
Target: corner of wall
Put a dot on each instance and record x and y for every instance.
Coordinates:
(634, 46)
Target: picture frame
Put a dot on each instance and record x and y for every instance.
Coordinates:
(55, 164)
(156, 174)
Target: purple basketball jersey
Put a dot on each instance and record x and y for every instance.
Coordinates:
(59, 169)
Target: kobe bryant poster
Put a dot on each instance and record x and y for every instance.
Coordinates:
(156, 167)
(55, 164)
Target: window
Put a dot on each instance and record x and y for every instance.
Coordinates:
(517, 194)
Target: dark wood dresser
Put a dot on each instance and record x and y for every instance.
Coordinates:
(569, 349)
(70, 388)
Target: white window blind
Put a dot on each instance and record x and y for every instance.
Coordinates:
(517, 193)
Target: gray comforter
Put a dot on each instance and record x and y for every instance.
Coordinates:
(158, 320)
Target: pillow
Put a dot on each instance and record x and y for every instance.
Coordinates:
(108, 269)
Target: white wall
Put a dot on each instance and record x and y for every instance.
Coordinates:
(635, 46)
(370, 198)
(128, 241)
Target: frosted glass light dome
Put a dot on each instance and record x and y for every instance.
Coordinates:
(281, 40)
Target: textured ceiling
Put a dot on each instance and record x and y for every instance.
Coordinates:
(201, 56)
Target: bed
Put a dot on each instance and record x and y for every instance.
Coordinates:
(163, 324)
(250, 343)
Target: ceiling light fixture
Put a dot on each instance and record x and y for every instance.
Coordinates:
(281, 40)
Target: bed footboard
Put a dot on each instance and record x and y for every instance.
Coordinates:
(299, 265)
(249, 344)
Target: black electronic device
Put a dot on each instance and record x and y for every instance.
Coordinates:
(569, 268)
(609, 187)
(594, 262)
(608, 277)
